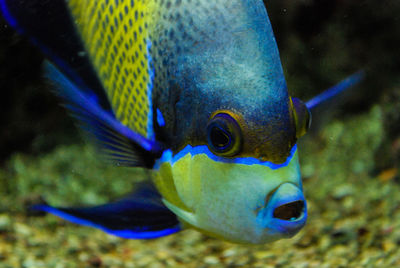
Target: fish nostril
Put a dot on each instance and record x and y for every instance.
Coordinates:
(290, 211)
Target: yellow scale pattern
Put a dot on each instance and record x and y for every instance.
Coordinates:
(116, 36)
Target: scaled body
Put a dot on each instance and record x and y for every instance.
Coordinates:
(193, 57)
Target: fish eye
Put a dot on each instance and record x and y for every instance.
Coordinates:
(224, 135)
(302, 117)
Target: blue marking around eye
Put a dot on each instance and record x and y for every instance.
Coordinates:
(160, 118)
(167, 156)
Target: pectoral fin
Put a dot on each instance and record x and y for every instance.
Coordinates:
(336, 90)
(141, 215)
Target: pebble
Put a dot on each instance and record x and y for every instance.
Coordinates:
(388, 246)
(263, 254)
(5, 223)
(22, 229)
(211, 260)
(229, 252)
(342, 191)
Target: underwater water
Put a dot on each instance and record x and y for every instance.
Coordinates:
(349, 161)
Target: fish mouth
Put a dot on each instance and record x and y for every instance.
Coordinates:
(290, 211)
(285, 211)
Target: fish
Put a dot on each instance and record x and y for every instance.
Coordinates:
(194, 92)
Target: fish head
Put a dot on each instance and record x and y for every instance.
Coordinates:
(236, 175)
(233, 171)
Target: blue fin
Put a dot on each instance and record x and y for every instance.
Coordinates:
(141, 215)
(49, 26)
(119, 143)
(335, 90)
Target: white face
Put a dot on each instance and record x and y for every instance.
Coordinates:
(245, 202)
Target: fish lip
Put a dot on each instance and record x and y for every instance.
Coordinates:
(276, 199)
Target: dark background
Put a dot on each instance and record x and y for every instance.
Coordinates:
(321, 42)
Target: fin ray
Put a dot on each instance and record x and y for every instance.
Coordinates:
(336, 90)
(141, 215)
(103, 126)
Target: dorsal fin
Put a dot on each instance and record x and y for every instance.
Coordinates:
(49, 26)
(119, 143)
(116, 35)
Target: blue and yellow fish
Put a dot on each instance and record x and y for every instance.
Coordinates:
(194, 91)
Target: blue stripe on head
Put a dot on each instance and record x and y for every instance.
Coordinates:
(203, 149)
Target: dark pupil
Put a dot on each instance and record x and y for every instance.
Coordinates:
(219, 138)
